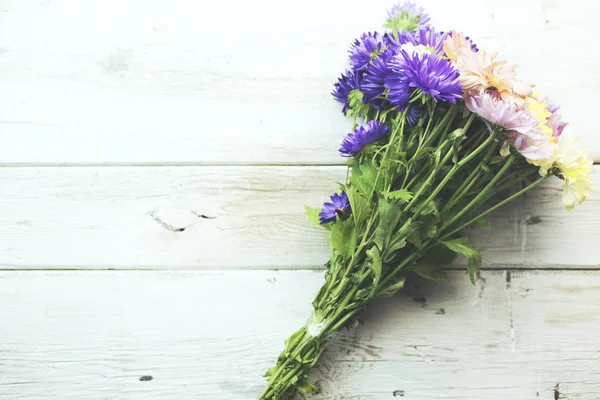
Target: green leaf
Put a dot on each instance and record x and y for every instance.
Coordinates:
(313, 215)
(357, 106)
(306, 386)
(438, 255)
(430, 209)
(429, 219)
(293, 340)
(482, 222)
(430, 271)
(457, 134)
(390, 214)
(361, 210)
(392, 289)
(375, 263)
(399, 239)
(460, 246)
(364, 177)
(271, 371)
(343, 238)
(403, 195)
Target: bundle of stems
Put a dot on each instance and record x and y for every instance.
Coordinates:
(410, 198)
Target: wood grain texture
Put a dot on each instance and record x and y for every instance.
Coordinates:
(237, 82)
(200, 335)
(235, 217)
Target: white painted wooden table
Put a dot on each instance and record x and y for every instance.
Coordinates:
(156, 157)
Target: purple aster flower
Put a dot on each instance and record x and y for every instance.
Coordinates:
(373, 85)
(403, 37)
(407, 17)
(346, 83)
(338, 206)
(365, 49)
(367, 133)
(413, 114)
(399, 91)
(429, 38)
(428, 73)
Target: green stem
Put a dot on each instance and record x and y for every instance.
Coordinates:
(445, 122)
(467, 183)
(497, 206)
(477, 198)
(430, 178)
(478, 150)
(390, 276)
(454, 169)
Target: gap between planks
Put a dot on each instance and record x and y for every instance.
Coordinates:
(236, 217)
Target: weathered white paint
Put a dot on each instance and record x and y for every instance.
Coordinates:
(237, 82)
(231, 82)
(234, 217)
(199, 335)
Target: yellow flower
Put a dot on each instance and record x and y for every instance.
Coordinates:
(576, 166)
(539, 111)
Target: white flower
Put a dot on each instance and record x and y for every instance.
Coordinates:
(410, 48)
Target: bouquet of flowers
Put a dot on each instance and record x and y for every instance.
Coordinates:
(444, 133)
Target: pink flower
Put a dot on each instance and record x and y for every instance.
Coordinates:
(491, 108)
(518, 125)
(554, 121)
(533, 150)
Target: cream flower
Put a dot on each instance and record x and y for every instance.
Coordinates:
(481, 71)
(455, 44)
(575, 165)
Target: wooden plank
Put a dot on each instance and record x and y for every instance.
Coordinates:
(235, 217)
(103, 334)
(237, 82)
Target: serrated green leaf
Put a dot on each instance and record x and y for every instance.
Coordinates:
(313, 215)
(390, 214)
(399, 239)
(364, 177)
(343, 238)
(357, 106)
(361, 210)
(402, 194)
(426, 229)
(460, 246)
(430, 208)
(392, 289)
(375, 264)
